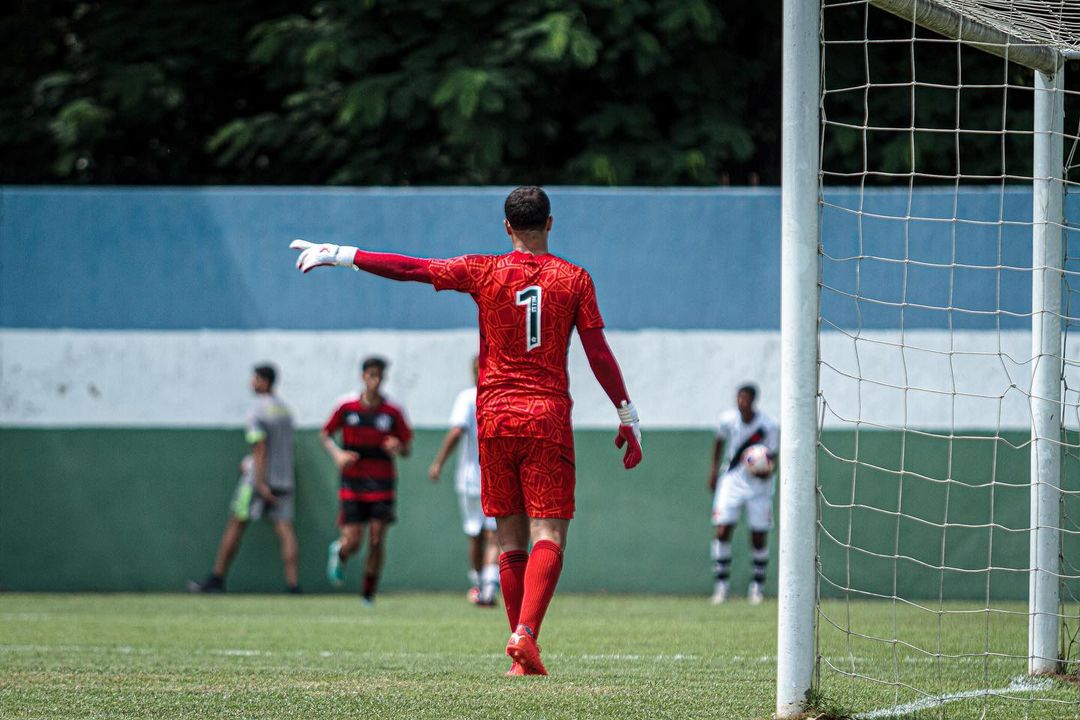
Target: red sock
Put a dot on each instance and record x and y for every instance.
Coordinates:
(541, 577)
(512, 580)
(370, 583)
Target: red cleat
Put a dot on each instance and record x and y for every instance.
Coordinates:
(515, 669)
(524, 650)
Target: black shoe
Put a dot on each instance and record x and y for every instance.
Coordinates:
(211, 585)
(293, 590)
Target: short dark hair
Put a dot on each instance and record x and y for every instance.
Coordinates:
(267, 372)
(373, 361)
(750, 389)
(527, 208)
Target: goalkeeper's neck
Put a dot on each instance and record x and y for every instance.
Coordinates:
(534, 242)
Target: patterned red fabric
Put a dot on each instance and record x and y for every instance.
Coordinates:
(512, 581)
(529, 305)
(541, 577)
(393, 266)
(603, 364)
(526, 475)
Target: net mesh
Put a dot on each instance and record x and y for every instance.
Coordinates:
(925, 368)
(1054, 24)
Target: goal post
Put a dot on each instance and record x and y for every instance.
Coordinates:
(1046, 348)
(1022, 33)
(796, 585)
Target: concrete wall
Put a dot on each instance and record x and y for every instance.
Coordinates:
(130, 319)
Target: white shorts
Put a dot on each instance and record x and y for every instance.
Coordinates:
(473, 519)
(735, 489)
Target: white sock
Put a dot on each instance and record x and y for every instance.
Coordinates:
(761, 565)
(489, 578)
(721, 557)
(474, 578)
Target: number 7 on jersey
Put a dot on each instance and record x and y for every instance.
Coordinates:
(530, 299)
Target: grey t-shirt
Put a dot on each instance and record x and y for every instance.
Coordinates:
(270, 420)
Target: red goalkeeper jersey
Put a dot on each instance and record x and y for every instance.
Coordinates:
(529, 304)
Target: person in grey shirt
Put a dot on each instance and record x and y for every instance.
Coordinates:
(267, 485)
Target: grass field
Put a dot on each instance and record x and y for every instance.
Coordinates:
(433, 656)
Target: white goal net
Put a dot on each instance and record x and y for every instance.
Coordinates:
(948, 484)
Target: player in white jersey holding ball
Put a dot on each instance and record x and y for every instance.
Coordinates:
(742, 474)
(483, 546)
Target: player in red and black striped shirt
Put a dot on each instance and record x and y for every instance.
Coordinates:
(373, 432)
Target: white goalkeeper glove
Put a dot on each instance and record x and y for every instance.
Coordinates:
(312, 255)
(629, 434)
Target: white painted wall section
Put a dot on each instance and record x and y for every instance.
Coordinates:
(66, 378)
(678, 379)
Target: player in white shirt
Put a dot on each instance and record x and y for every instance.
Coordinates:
(734, 487)
(483, 547)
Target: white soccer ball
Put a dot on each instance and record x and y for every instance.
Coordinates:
(757, 461)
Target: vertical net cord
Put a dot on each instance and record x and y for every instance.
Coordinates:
(1000, 259)
(1067, 638)
(849, 542)
(905, 377)
(1063, 564)
(821, 398)
(1062, 513)
(952, 370)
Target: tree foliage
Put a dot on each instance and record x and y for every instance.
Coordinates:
(123, 91)
(482, 91)
(392, 92)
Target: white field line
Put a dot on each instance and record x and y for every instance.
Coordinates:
(26, 616)
(118, 649)
(906, 660)
(675, 657)
(617, 656)
(1018, 685)
(250, 652)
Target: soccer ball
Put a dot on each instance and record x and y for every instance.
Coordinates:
(757, 461)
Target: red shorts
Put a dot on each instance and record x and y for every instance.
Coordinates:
(526, 475)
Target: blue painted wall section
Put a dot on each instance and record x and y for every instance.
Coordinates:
(674, 259)
(908, 257)
(218, 258)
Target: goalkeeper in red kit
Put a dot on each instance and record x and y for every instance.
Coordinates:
(529, 301)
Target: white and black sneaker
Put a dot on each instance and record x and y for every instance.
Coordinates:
(212, 585)
(720, 594)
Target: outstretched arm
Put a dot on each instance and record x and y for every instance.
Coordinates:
(395, 267)
(607, 372)
(387, 265)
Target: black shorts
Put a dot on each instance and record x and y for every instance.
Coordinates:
(354, 511)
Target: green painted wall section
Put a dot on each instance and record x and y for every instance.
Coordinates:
(144, 509)
(890, 523)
